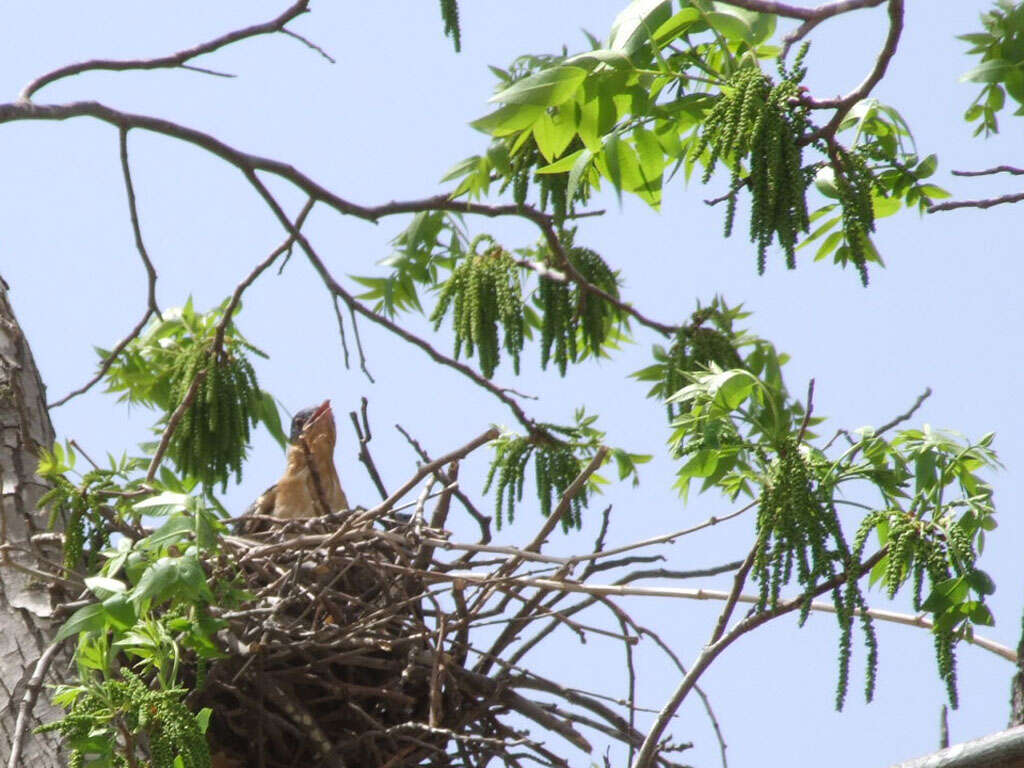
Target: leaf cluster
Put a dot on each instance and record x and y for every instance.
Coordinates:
(672, 91)
(708, 337)
(150, 621)
(559, 453)
(177, 354)
(741, 432)
(108, 720)
(1000, 48)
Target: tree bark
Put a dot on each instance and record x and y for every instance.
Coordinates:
(26, 601)
(1017, 686)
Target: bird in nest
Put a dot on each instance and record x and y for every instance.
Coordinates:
(309, 486)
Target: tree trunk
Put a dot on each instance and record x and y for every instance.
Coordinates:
(26, 601)
(1017, 686)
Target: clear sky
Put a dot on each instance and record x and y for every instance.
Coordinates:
(385, 122)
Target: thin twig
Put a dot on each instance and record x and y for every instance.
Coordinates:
(172, 425)
(175, 60)
(365, 436)
(988, 202)
(1012, 170)
(28, 702)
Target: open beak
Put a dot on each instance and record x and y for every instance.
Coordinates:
(323, 410)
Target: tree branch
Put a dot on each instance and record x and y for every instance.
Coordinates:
(174, 60)
(988, 202)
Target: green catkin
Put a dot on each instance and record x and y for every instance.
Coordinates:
(450, 17)
(483, 293)
(799, 536)
(763, 123)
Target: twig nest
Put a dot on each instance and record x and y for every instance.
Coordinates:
(333, 657)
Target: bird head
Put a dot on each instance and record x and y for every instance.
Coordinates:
(313, 422)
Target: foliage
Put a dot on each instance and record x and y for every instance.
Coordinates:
(103, 712)
(668, 91)
(558, 453)
(179, 357)
(152, 614)
(742, 432)
(708, 337)
(1000, 48)
(483, 292)
(676, 86)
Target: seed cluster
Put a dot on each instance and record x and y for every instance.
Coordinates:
(211, 439)
(798, 530)
(484, 291)
(130, 706)
(919, 549)
(575, 321)
(555, 467)
(757, 120)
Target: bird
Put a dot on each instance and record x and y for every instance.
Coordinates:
(310, 486)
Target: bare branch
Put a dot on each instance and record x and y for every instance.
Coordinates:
(28, 702)
(989, 171)
(844, 104)
(817, 15)
(172, 425)
(174, 60)
(988, 202)
(151, 306)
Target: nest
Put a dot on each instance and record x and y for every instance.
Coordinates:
(336, 661)
(354, 649)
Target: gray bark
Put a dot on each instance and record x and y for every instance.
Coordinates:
(26, 601)
(999, 750)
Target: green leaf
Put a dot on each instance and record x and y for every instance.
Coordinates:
(162, 504)
(676, 25)
(992, 71)
(636, 23)
(103, 586)
(119, 611)
(597, 118)
(579, 167)
(980, 582)
(553, 132)
(271, 418)
(174, 530)
(562, 165)
(548, 88)
(86, 619)
(702, 464)
(508, 119)
(203, 718)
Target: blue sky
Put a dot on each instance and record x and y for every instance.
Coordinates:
(385, 122)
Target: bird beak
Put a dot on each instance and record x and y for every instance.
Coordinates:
(323, 410)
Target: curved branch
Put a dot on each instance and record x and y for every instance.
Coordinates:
(174, 60)
(151, 305)
(844, 104)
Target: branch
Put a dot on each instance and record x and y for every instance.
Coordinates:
(715, 594)
(236, 296)
(989, 171)
(988, 202)
(28, 702)
(172, 425)
(844, 104)
(816, 15)
(174, 60)
(152, 308)
(335, 288)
